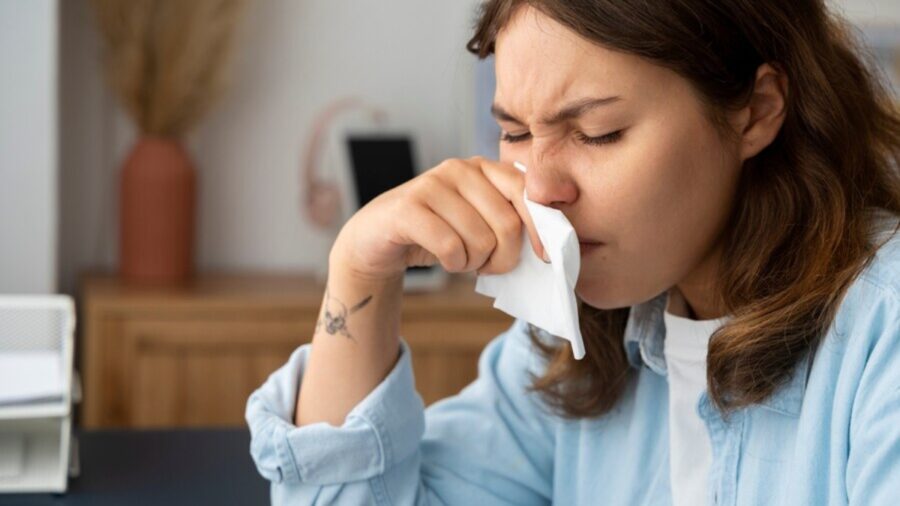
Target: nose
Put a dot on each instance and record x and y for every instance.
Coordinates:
(549, 185)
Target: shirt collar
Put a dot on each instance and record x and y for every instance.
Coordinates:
(644, 334)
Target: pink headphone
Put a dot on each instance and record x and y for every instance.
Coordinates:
(322, 199)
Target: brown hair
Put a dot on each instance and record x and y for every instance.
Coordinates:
(799, 232)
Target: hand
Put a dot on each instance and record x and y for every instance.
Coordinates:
(465, 214)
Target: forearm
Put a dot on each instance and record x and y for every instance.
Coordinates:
(354, 347)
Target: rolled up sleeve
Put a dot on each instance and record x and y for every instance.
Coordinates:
(487, 444)
(385, 427)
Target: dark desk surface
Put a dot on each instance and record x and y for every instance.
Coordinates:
(137, 468)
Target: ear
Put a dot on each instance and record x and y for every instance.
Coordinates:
(760, 120)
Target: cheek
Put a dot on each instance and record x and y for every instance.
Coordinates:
(665, 198)
(644, 186)
(680, 183)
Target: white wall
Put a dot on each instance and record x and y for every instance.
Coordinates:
(28, 128)
(869, 11)
(294, 57)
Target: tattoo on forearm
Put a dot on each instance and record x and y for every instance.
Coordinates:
(335, 314)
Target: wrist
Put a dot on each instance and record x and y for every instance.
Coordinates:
(342, 266)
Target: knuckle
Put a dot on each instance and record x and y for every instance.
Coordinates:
(455, 172)
(448, 165)
(506, 263)
(466, 169)
(449, 251)
(477, 250)
(510, 227)
(428, 183)
(485, 243)
(444, 163)
(488, 268)
(501, 263)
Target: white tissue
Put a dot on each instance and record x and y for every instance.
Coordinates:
(542, 294)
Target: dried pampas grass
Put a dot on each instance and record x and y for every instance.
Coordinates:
(167, 59)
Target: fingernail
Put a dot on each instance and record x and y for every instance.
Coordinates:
(546, 258)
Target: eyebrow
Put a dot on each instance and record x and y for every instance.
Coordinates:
(570, 111)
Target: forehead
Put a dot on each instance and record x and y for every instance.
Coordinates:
(540, 62)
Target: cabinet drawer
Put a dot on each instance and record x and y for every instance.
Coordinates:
(192, 373)
(191, 355)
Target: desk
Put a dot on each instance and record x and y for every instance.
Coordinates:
(153, 468)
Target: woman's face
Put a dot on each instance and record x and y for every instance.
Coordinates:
(624, 148)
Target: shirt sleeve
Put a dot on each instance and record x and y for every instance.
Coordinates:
(873, 463)
(490, 444)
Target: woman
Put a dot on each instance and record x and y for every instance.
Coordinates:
(730, 169)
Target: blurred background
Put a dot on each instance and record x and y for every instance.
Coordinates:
(181, 168)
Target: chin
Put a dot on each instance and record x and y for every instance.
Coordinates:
(604, 295)
(597, 294)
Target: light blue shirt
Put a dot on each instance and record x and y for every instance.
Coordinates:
(829, 436)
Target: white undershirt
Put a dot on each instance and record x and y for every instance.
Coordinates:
(690, 454)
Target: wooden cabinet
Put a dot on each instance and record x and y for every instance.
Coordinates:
(190, 356)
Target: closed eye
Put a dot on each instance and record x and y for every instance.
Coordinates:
(507, 137)
(603, 139)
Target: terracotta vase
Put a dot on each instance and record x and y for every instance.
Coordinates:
(157, 195)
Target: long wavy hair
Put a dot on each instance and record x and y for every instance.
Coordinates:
(800, 230)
